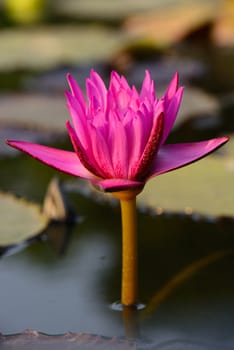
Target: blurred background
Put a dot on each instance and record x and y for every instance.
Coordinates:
(41, 40)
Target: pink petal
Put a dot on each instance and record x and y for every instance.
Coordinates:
(93, 95)
(171, 157)
(114, 185)
(122, 100)
(85, 156)
(124, 83)
(114, 83)
(137, 135)
(95, 77)
(98, 82)
(101, 152)
(118, 95)
(65, 161)
(171, 110)
(134, 102)
(173, 86)
(151, 149)
(117, 82)
(76, 91)
(79, 119)
(148, 89)
(140, 130)
(118, 147)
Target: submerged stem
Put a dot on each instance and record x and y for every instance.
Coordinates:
(129, 293)
(130, 321)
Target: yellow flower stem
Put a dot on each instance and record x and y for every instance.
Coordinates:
(129, 292)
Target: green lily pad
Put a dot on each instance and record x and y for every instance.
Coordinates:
(20, 220)
(35, 111)
(31, 339)
(46, 47)
(205, 187)
(197, 106)
(223, 29)
(114, 10)
(34, 118)
(172, 23)
(117, 10)
(18, 131)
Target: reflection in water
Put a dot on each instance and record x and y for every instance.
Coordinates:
(58, 295)
(59, 236)
(67, 282)
(181, 277)
(130, 322)
(131, 314)
(183, 344)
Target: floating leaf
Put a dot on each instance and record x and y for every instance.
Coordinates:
(20, 220)
(180, 278)
(32, 339)
(56, 205)
(33, 135)
(34, 111)
(35, 118)
(197, 102)
(204, 187)
(172, 23)
(109, 10)
(198, 106)
(223, 31)
(46, 47)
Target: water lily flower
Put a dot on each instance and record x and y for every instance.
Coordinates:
(118, 135)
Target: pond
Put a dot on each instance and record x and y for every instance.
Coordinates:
(68, 278)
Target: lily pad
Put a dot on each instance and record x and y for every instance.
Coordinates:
(204, 187)
(34, 111)
(172, 23)
(34, 118)
(46, 47)
(20, 220)
(56, 205)
(32, 339)
(117, 10)
(22, 133)
(197, 106)
(114, 10)
(223, 30)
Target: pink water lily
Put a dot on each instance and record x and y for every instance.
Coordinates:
(118, 134)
